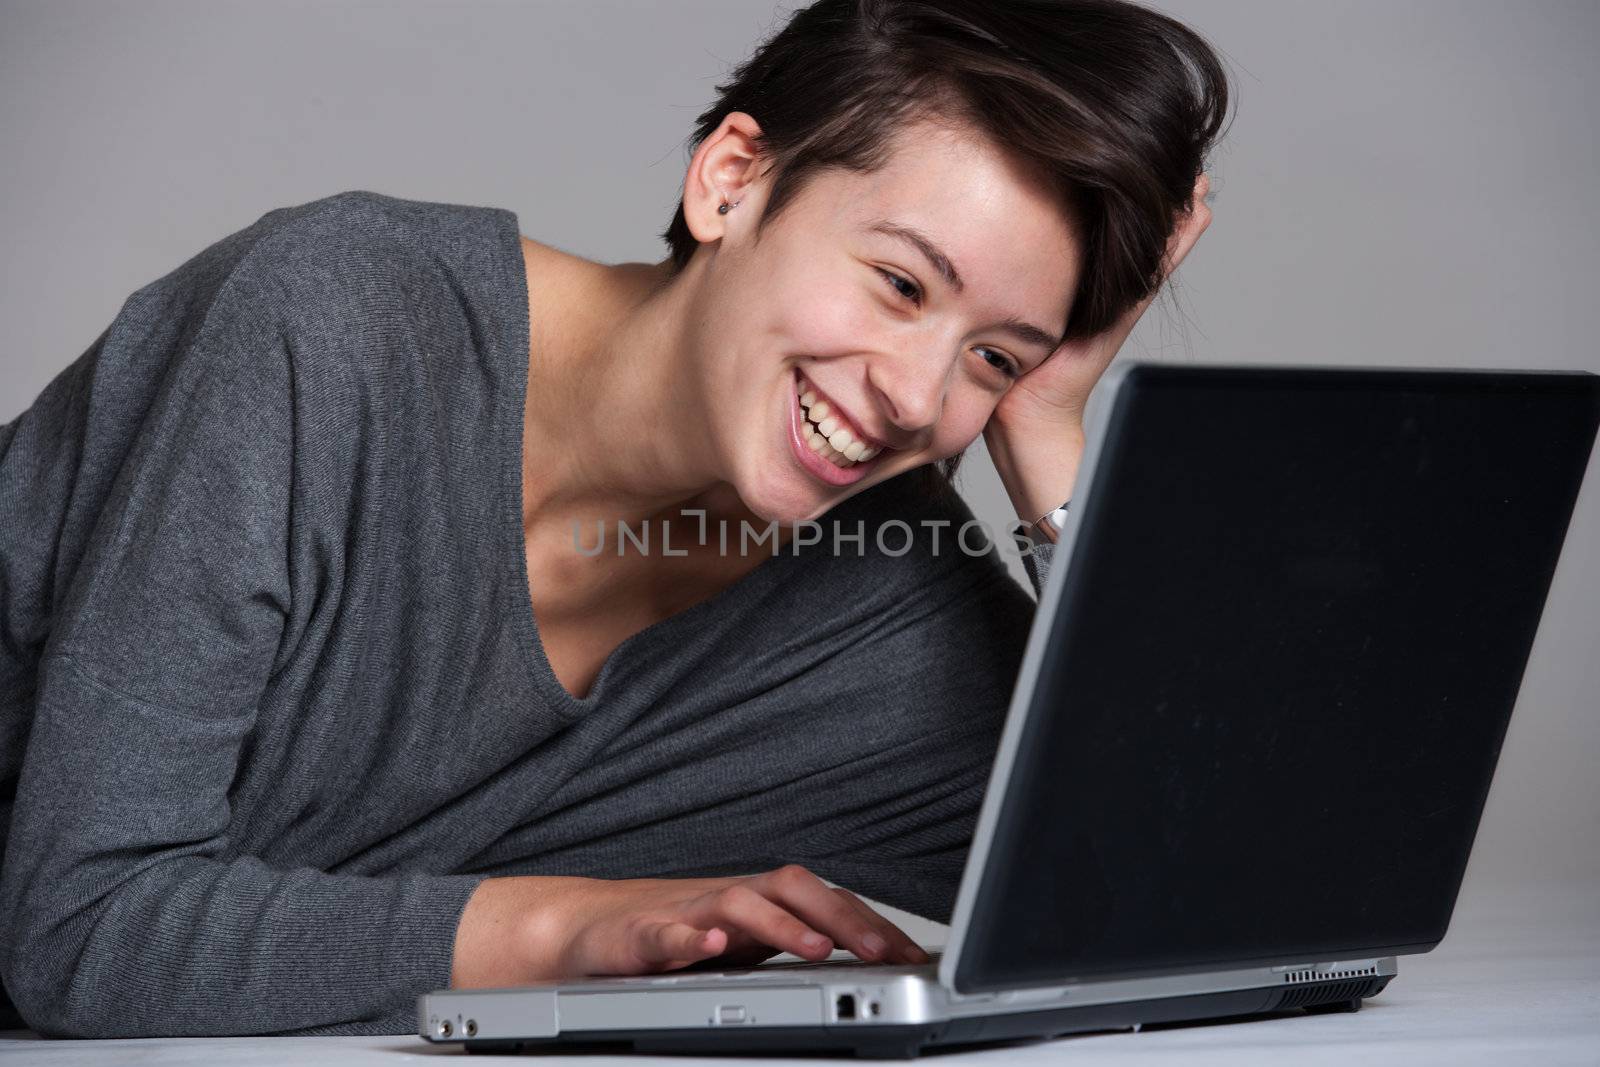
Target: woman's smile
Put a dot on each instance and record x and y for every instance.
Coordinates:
(826, 441)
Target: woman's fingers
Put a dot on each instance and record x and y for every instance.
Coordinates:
(781, 911)
(675, 944)
(815, 901)
(1192, 224)
(764, 921)
(900, 943)
(848, 920)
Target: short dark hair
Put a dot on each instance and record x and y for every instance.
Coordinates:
(1115, 105)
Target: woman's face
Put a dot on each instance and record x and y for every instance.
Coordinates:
(840, 319)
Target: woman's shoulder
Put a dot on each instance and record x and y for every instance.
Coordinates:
(358, 219)
(370, 252)
(911, 536)
(337, 312)
(344, 263)
(364, 293)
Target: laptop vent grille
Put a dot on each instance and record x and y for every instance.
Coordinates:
(1325, 993)
(1296, 977)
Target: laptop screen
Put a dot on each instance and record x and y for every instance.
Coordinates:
(1295, 619)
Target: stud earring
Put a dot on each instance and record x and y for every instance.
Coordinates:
(726, 207)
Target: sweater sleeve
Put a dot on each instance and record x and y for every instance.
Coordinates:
(915, 699)
(125, 908)
(1036, 561)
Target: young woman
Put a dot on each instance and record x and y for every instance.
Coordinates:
(317, 690)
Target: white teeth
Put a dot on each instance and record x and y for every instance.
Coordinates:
(827, 436)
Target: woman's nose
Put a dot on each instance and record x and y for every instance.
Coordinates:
(910, 388)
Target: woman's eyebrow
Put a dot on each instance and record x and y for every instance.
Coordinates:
(1028, 333)
(924, 244)
(1023, 331)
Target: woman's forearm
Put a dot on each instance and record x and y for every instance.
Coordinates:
(1037, 468)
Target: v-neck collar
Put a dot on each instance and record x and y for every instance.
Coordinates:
(512, 357)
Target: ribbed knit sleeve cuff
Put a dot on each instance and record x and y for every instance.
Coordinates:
(418, 952)
(1037, 563)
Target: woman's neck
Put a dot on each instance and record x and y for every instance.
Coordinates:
(613, 422)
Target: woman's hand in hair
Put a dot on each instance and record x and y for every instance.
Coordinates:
(1056, 390)
(1036, 432)
(517, 930)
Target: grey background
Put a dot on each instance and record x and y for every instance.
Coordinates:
(1405, 184)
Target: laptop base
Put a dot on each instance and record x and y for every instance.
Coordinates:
(909, 1041)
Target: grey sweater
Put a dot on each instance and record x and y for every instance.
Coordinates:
(272, 700)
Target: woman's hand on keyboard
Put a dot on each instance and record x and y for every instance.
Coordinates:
(517, 930)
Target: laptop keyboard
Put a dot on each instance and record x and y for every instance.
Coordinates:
(842, 961)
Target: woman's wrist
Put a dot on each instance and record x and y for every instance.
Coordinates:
(514, 930)
(1037, 467)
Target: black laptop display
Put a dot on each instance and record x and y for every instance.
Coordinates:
(1297, 616)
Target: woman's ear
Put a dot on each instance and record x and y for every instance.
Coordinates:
(726, 169)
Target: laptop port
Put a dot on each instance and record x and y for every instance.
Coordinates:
(845, 1006)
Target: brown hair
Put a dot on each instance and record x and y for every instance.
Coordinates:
(1117, 106)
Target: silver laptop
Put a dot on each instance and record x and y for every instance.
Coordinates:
(1250, 742)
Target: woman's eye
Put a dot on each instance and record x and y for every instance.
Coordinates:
(909, 289)
(911, 292)
(998, 362)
